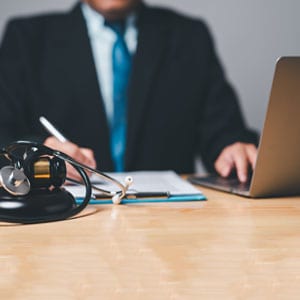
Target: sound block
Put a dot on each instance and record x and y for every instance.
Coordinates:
(38, 203)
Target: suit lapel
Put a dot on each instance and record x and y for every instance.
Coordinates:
(152, 42)
(86, 87)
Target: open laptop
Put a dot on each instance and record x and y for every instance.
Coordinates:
(277, 170)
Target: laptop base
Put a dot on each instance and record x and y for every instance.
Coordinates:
(230, 185)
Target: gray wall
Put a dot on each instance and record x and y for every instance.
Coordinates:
(249, 36)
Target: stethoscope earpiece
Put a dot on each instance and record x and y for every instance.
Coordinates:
(128, 181)
(116, 199)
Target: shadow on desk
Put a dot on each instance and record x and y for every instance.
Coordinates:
(88, 211)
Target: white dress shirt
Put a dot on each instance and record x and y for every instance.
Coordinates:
(102, 39)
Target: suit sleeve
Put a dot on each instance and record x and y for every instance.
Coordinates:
(14, 99)
(222, 122)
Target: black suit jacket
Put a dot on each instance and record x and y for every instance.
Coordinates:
(180, 103)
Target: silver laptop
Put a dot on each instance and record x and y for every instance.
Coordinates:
(277, 170)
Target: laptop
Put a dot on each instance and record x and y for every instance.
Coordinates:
(277, 170)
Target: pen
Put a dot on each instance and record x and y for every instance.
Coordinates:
(139, 195)
(52, 130)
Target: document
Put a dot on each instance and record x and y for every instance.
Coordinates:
(148, 186)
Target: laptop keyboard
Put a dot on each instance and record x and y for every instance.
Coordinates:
(220, 183)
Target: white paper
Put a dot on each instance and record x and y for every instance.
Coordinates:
(143, 181)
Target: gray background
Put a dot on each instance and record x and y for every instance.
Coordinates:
(249, 36)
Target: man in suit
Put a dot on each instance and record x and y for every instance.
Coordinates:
(179, 103)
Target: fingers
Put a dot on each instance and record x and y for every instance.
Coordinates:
(237, 156)
(82, 155)
(224, 163)
(89, 154)
(241, 163)
(252, 154)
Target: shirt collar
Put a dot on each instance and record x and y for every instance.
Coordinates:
(95, 21)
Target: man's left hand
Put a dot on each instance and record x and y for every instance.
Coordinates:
(237, 156)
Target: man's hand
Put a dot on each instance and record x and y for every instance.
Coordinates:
(237, 156)
(82, 155)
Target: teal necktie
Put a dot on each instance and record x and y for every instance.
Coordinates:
(121, 65)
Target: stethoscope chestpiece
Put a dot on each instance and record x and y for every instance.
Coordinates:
(14, 181)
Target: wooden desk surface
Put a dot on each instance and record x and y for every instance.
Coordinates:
(226, 248)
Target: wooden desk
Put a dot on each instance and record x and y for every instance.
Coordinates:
(226, 248)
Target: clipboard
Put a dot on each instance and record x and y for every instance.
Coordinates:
(183, 198)
(147, 187)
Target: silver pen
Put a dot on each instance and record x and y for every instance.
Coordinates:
(138, 195)
(52, 130)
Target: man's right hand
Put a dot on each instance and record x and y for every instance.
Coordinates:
(82, 155)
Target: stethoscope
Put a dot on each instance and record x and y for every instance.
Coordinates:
(38, 168)
(116, 196)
